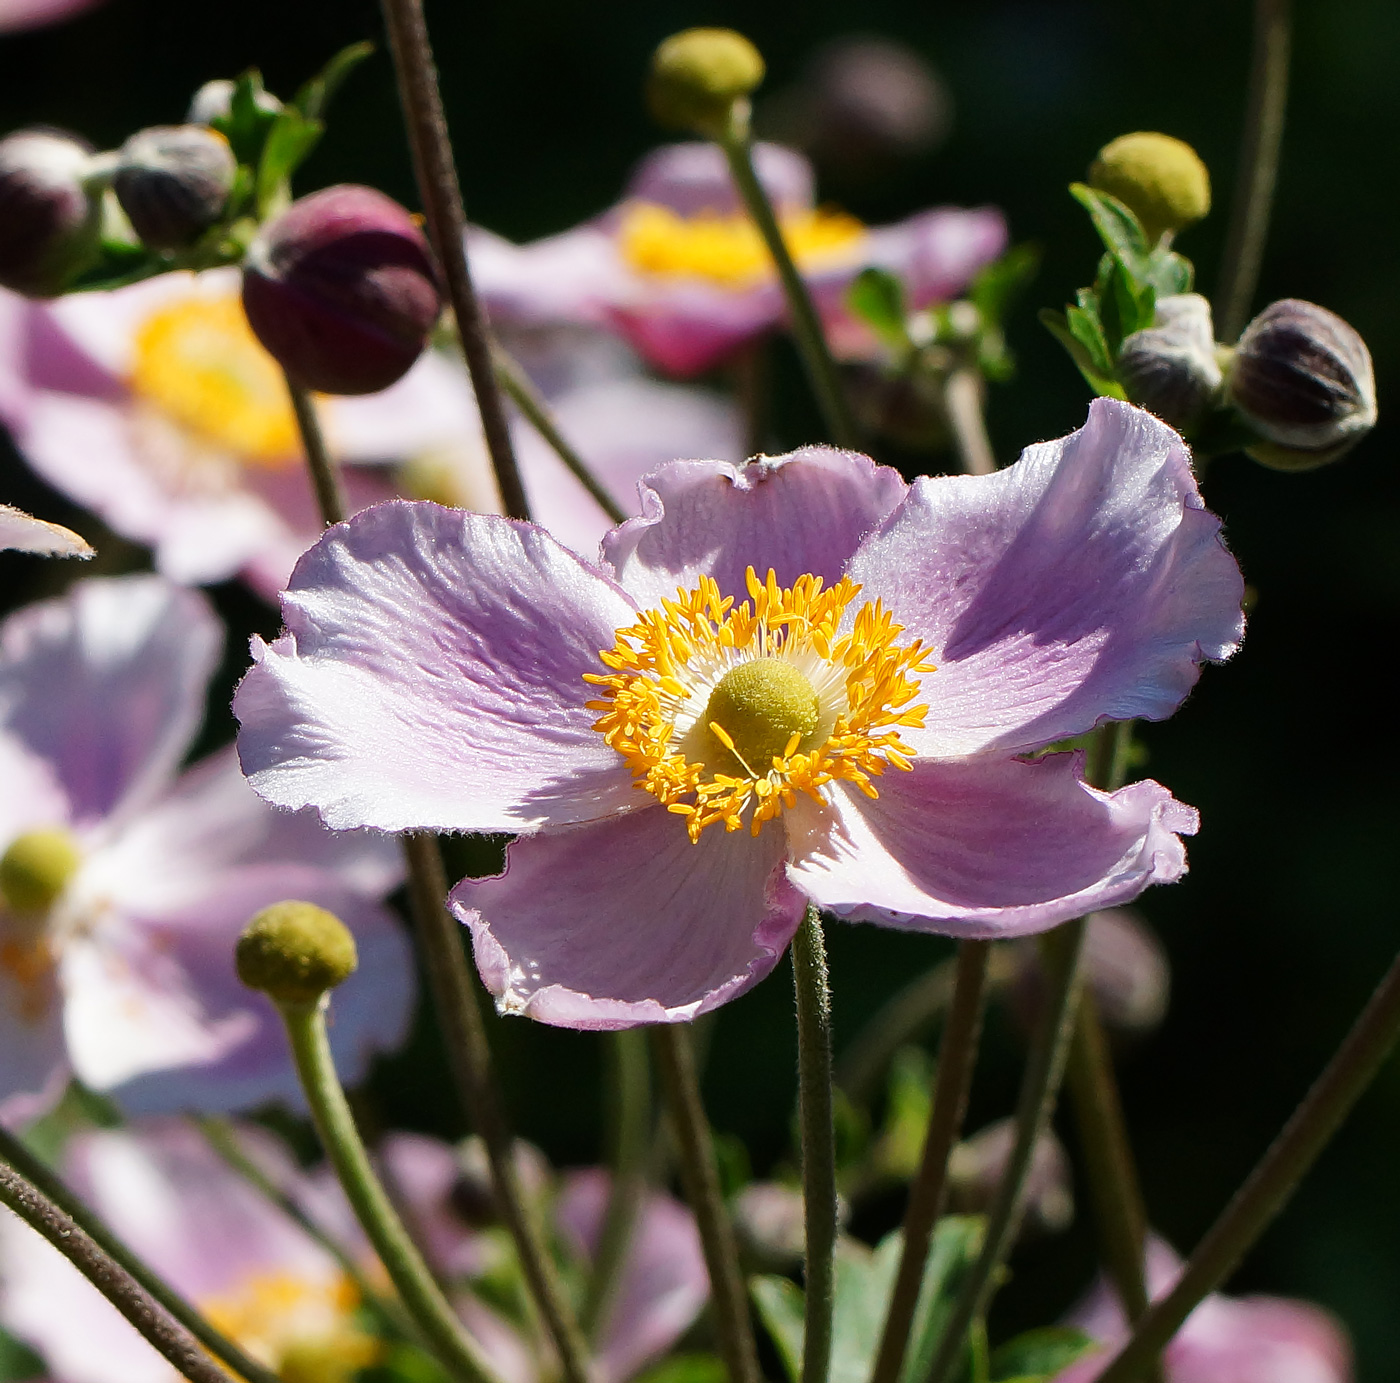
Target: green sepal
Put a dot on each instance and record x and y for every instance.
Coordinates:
(1039, 1354)
(316, 94)
(247, 124)
(1058, 326)
(876, 296)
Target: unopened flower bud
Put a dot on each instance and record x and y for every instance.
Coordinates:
(341, 290)
(36, 868)
(1302, 379)
(1170, 368)
(1160, 179)
(976, 1167)
(294, 952)
(698, 74)
(214, 101)
(173, 182)
(49, 217)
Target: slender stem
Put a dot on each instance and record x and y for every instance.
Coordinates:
(306, 1030)
(158, 1326)
(962, 401)
(1258, 170)
(675, 1066)
(324, 477)
(806, 325)
(13, 1151)
(752, 386)
(1045, 1064)
(813, 987)
(956, 1058)
(527, 399)
(1274, 1180)
(469, 1057)
(436, 174)
(630, 1154)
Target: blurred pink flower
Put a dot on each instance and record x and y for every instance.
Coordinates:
(680, 271)
(33, 14)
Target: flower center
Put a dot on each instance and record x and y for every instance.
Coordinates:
(34, 871)
(724, 712)
(198, 363)
(728, 250)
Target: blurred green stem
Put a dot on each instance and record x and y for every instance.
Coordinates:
(962, 402)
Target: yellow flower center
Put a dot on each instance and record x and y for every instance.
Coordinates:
(728, 250)
(34, 871)
(725, 713)
(198, 363)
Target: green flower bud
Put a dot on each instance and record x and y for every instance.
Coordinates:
(36, 869)
(1170, 367)
(173, 182)
(698, 74)
(1160, 179)
(295, 952)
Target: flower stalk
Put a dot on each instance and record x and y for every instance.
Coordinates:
(325, 477)
(962, 401)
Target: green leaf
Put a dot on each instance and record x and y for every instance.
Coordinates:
(403, 1363)
(1124, 306)
(292, 138)
(877, 298)
(1084, 326)
(18, 1360)
(780, 1305)
(686, 1368)
(1100, 382)
(956, 1243)
(997, 284)
(1169, 272)
(247, 124)
(1039, 1353)
(317, 94)
(1120, 230)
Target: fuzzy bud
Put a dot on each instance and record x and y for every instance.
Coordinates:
(49, 218)
(341, 290)
(1160, 179)
(173, 182)
(1170, 368)
(294, 952)
(214, 101)
(698, 74)
(976, 1168)
(36, 868)
(1302, 379)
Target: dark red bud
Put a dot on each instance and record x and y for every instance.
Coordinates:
(342, 291)
(48, 217)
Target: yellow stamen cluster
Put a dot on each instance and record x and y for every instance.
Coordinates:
(728, 250)
(665, 667)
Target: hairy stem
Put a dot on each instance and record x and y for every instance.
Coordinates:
(325, 477)
(962, 401)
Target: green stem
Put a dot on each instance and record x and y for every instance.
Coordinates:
(158, 1326)
(325, 479)
(806, 325)
(469, 1058)
(13, 1151)
(675, 1066)
(1045, 1064)
(962, 402)
(956, 1058)
(812, 984)
(1258, 170)
(446, 218)
(630, 1154)
(752, 389)
(455, 1349)
(1273, 1181)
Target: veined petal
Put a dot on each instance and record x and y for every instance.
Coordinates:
(623, 922)
(985, 847)
(431, 677)
(1085, 583)
(806, 512)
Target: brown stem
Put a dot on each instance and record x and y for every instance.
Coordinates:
(325, 479)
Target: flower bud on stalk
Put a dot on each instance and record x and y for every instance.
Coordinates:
(698, 74)
(295, 952)
(1302, 378)
(1170, 368)
(173, 182)
(341, 290)
(50, 218)
(1161, 180)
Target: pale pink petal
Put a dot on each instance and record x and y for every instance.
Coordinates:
(693, 177)
(30, 792)
(806, 512)
(985, 847)
(20, 532)
(570, 277)
(431, 676)
(624, 921)
(687, 326)
(32, 14)
(1085, 583)
(35, 1067)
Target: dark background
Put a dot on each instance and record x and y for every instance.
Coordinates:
(1284, 924)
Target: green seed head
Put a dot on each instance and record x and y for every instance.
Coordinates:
(698, 74)
(295, 952)
(760, 705)
(36, 869)
(1160, 179)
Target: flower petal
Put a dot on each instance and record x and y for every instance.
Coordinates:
(623, 922)
(108, 684)
(986, 847)
(431, 677)
(805, 512)
(693, 177)
(35, 1069)
(21, 532)
(1085, 583)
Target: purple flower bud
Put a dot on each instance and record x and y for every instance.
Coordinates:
(49, 219)
(173, 182)
(1170, 367)
(1302, 379)
(976, 1168)
(342, 291)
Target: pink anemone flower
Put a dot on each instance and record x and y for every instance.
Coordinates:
(680, 271)
(1255, 1339)
(796, 680)
(124, 883)
(281, 1295)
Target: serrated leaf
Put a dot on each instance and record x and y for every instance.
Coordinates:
(292, 138)
(1085, 327)
(1100, 383)
(1125, 306)
(1039, 1353)
(1118, 228)
(997, 284)
(316, 94)
(876, 296)
(780, 1305)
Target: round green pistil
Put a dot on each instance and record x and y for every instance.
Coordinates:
(36, 869)
(760, 705)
